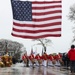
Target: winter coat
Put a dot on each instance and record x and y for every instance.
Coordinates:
(71, 54)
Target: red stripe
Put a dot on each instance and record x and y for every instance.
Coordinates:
(46, 13)
(37, 31)
(30, 25)
(45, 19)
(36, 37)
(46, 7)
(44, 2)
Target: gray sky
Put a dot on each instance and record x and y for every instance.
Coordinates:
(60, 44)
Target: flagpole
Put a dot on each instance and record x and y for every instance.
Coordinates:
(35, 50)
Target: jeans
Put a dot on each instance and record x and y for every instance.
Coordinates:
(72, 66)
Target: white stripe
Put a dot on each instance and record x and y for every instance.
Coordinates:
(45, 10)
(32, 28)
(35, 34)
(45, 4)
(46, 16)
(37, 23)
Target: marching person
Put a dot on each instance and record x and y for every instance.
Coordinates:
(32, 59)
(45, 58)
(52, 57)
(38, 59)
(71, 55)
(50, 60)
(58, 58)
(25, 59)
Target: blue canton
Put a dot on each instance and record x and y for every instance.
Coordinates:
(22, 10)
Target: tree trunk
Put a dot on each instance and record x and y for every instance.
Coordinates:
(44, 48)
(43, 45)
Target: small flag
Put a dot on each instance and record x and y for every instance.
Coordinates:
(32, 52)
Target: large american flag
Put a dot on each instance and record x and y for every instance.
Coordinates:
(36, 19)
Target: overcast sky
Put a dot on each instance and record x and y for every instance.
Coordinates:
(60, 44)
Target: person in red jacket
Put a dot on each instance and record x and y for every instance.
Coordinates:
(51, 60)
(71, 56)
(38, 59)
(45, 58)
(25, 59)
(32, 59)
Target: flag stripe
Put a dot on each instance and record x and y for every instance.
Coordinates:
(45, 10)
(46, 13)
(33, 25)
(36, 28)
(36, 37)
(37, 23)
(46, 2)
(46, 7)
(45, 16)
(46, 21)
(37, 31)
(40, 34)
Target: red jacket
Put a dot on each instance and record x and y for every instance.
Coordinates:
(37, 57)
(71, 54)
(31, 57)
(24, 57)
(51, 57)
(45, 56)
(57, 57)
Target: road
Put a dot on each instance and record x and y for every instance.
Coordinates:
(20, 70)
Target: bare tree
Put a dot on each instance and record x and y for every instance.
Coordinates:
(71, 17)
(44, 42)
(8, 45)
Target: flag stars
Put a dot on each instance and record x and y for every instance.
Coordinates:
(22, 10)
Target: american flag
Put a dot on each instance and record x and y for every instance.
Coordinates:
(36, 19)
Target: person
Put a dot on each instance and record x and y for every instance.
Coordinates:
(64, 59)
(14, 60)
(25, 59)
(71, 56)
(45, 58)
(51, 60)
(38, 59)
(58, 58)
(1, 62)
(67, 62)
(32, 59)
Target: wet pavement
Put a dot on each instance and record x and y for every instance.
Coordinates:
(20, 70)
